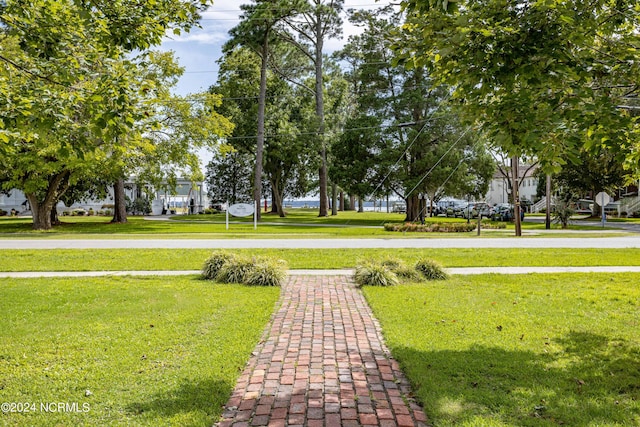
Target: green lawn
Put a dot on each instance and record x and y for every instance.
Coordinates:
(138, 351)
(533, 350)
(192, 259)
(298, 224)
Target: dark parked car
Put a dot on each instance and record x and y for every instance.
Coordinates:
(456, 209)
(476, 208)
(504, 212)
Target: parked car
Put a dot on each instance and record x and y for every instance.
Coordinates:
(477, 208)
(399, 207)
(456, 209)
(502, 212)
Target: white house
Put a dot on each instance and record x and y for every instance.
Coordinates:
(187, 197)
(499, 187)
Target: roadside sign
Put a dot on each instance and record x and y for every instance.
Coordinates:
(241, 209)
(602, 199)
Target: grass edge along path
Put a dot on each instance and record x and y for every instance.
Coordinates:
(536, 350)
(193, 259)
(141, 351)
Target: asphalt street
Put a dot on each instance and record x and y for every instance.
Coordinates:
(393, 243)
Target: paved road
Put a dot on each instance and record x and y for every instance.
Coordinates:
(512, 242)
(341, 272)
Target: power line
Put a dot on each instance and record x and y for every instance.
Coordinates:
(409, 147)
(438, 162)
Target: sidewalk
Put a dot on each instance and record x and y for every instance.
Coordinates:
(342, 272)
(322, 362)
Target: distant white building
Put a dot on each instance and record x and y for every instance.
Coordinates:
(187, 197)
(499, 188)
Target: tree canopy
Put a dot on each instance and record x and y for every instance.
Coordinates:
(75, 82)
(542, 78)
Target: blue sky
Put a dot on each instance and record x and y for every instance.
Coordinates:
(199, 50)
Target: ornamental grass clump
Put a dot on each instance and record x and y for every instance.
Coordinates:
(267, 272)
(374, 274)
(401, 270)
(236, 270)
(407, 274)
(431, 270)
(255, 271)
(214, 263)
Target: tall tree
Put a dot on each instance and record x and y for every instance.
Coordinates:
(257, 30)
(287, 147)
(540, 78)
(317, 23)
(67, 82)
(228, 176)
(425, 150)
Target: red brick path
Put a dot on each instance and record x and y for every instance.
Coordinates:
(322, 363)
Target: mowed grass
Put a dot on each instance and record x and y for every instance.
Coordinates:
(303, 224)
(139, 351)
(533, 350)
(192, 259)
(298, 224)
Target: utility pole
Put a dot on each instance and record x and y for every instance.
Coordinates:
(516, 195)
(548, 214)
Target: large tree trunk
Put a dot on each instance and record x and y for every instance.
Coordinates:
(516, 195)
(352, 202)
(323, 178)
(547, 220)
(334, 199)
(360, 204)
(341, 205)
(413, 209)
(42, 210)
(54, 216)
(119, 202)
(41, 213)
(274, 206)
(277, 200)
(257, 182)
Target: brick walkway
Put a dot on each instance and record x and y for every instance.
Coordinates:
(322, 362)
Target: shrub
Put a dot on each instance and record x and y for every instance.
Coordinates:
(214, 263)
(400, 269)
(235, 270)
(267, 272)
(374, 274)
(433, 227)
(255, 271)
(431, 270)
(406, 273)
(392, 263)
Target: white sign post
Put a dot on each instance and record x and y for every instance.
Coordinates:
(602, 200)
(242, 210)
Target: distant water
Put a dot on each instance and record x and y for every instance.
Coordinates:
(380, 206)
